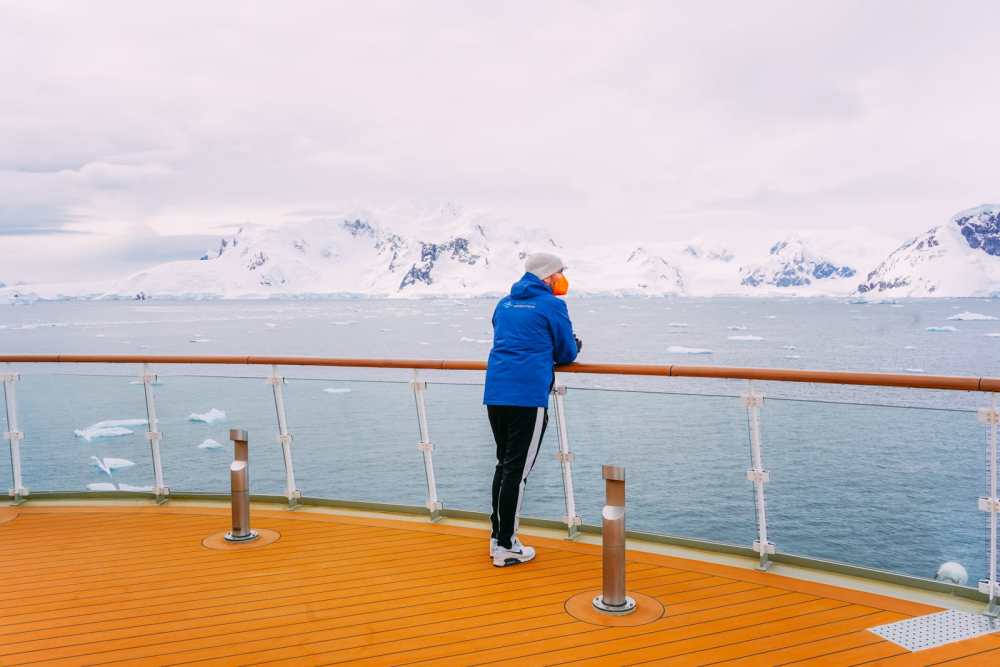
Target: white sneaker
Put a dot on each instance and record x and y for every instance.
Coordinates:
(518, 553)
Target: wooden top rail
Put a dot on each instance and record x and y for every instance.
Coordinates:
(949, 382)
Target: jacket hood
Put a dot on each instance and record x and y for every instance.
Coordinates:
(529, 286)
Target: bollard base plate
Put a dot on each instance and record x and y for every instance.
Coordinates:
(219, 542)
(647, 609)
(252, 535)
(601, 606)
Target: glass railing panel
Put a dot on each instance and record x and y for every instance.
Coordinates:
(83, 432)
(883, 487)
(355, 440)
(685, 459)
(465, 454)
(195, 415)
(6, 473)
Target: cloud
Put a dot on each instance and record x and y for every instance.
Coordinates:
(572, 116)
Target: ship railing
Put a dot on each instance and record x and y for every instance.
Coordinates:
(750, 400)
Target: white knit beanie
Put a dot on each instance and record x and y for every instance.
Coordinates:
(543, 265)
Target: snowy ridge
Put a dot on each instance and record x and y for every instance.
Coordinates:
(957, 259)
(448, 251)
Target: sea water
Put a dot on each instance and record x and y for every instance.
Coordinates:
(885, 478)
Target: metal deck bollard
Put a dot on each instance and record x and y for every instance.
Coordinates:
(239, 479)
(613, 599)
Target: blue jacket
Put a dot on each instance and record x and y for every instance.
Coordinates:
(531, 334)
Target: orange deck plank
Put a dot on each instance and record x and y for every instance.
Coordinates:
(133, 586)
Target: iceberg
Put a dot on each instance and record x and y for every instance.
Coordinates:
(746, 338)
(210, 417)
(971, 317)
(208, 443)
(109, 428)
(941, 329)
(338, 390)
(680, 349)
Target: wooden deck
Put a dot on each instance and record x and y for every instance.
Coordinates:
(133, 585)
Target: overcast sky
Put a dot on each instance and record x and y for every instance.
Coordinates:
(131, 132)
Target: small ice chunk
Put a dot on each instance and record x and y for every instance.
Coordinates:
(423, 342)
(793, 356)
(737, 327)
(746, 338)
(680, 349)
(108, 464)
(678, 325)
(432, 324)
(109, 428)
(199, 339)
(971, 317)
(993, 335)
(208, 443)
(466, 339)
(914, 370)
(787, 347)
(909, 347)
(102, 486)
(770, 317)
(338, 390)
(343, 323)
(941, 329)
(210, 417)
(130, 487)
(270, 325)
(952, 572)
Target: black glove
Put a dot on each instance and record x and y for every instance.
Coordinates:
(579, 344)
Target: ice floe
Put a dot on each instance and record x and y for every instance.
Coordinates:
(102, 486)
(208, 443)
(680, 349)
(941, 329)
(746, 338)
(110, 428)
(210, 417)
(130, 487)
(108, 464)
(971, 317)
(338, 390)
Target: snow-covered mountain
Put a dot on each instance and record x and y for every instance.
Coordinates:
(961, 258)
(793, 263)
(454, 252)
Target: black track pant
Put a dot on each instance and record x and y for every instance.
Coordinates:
(518, 433)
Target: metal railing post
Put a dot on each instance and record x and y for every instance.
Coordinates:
(565, 458)
(426, 448)
(153, 434)
(613, 598)
(756, 474)
(277, 383)
(14, 437)
(991, 504)
(239, 482)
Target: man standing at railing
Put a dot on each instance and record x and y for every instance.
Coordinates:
(532, 334)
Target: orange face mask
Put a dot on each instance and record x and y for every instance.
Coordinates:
(560, 286)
